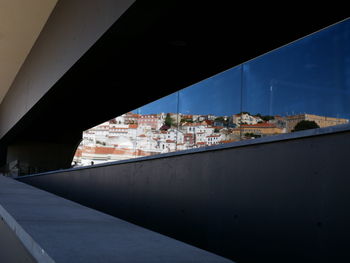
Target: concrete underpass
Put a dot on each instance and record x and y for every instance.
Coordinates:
(282, 198)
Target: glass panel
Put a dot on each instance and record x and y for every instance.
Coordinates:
(109, 141)
(208, 110)
(300, 86)
(122, 136)
(158, 122)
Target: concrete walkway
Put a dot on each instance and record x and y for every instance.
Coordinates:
(11, 248)
(54, 229)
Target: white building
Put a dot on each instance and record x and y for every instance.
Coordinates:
(193, 128)
(245, 118)
(120, 119)
(213, 139)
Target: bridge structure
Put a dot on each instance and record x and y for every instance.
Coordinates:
(95, 60)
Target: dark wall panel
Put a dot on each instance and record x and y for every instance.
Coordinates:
(284, 201)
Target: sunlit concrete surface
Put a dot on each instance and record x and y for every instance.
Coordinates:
(69, 232)
(21, 21)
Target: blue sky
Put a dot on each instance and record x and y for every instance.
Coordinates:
(311, 75)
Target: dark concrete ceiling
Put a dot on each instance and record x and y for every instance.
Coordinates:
(158, 47)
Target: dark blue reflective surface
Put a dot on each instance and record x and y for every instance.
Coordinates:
(219, 95)
(310, 76)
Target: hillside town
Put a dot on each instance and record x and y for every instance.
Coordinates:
(134, 135)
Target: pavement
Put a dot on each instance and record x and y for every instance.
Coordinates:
(11, 248)
(54, 229)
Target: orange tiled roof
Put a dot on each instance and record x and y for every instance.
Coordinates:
(98, 150)
(78, 153)
(122, 151)
(208, 122)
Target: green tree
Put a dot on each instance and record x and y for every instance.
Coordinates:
(305, 125)
(267, 117)
(251, 134)
(186, 120)
(168, 120)
(220, 119)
